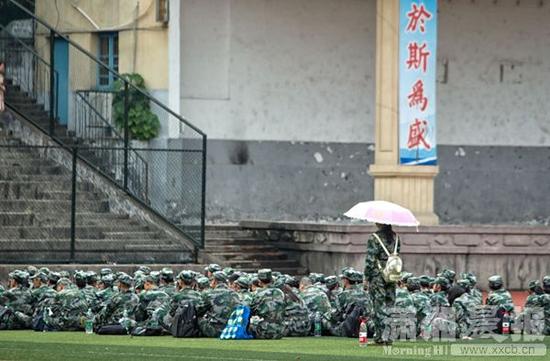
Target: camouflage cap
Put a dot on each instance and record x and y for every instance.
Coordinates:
(187, 276)
(546, 282)
(495, 281)
(292, 281)
(139, 283)
(155, 275)
(45, 270)
(41, 276)
(64, 281)
(425, 280)
(19, 276)
(91, 276)
(234, 276)
(228, 271)
(79, 275)
(54, 277)
(534, 284)
(243, 281)
(213, 267)
(448, 274)
(442, 281)
(464, 282)
(203, 282)
(31, 270)
(220, 276)
(353, 275)
(413, 282)
(331, 281)
(145, 269)
(167, 274)
(405, 276)
(276, 274)
(105, 271)
(265, 275)
(108, 279)
(317, 277)
(65, 274)
(125, 279)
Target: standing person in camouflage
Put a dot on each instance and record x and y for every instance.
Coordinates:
(218, 303)
(316, 300)
(68, 308)
(352, 295)
(333, 289)
(123, 302)
(382, 292)
(267, 309)
(167, 281)
(421, 302)
(150, 301)
(16, 303)
(545, 302)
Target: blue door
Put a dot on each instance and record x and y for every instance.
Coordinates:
(61, 66)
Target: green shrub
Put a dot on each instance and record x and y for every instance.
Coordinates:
(143, 124)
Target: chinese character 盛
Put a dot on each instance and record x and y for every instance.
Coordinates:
(418, 56)
(416, 97)
(417, 130)
(417, 18)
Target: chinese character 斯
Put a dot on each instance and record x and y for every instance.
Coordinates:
(418, 56)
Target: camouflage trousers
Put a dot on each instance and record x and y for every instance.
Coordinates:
(263, 329)
(383, 298)
(297, 326)
(211, 327)
(13, 320)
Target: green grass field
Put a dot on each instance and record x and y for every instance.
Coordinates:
(28, 345)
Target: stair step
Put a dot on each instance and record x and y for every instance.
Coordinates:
(229, 248)
(58, 206)
(110, 232)
(235, 256)
(124, 256)
(264, 264)
(89, 245)
(16, 218)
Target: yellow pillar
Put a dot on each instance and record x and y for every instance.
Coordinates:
(409, 186)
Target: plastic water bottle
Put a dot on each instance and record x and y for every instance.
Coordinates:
(363, 338)
(89, 323)
(317, 328)
(506, 324)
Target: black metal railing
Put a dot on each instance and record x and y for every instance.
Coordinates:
(171, 184)
(60, 213)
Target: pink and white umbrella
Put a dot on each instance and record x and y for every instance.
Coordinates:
(383, 212)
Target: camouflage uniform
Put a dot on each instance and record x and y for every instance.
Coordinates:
(499, 296)
(267, 309)
(167, 277)
(245, 296)
(333, 290)
(421, 302)
(18, 302)
(123, 301)
(531, 319)
(463, 306)
(402, 321)
(442, 318)
(382, 293)
(218, 304)
(42, 296)
(296, 316)
(68, 308)
(316, 300)
(150, 301)
(545, 302)
(354, 294)
(167, 311)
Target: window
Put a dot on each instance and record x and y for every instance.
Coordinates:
(108, 54)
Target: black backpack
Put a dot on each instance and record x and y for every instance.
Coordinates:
(350, 326)
(185, 322)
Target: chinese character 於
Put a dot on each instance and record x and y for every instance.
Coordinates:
(417, 18)
(417, 131)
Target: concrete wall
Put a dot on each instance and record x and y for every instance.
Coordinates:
(277, 84)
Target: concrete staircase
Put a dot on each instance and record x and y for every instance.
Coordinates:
(35, 203)
(238, 248)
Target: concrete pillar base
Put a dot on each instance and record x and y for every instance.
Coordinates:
(408, 186)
